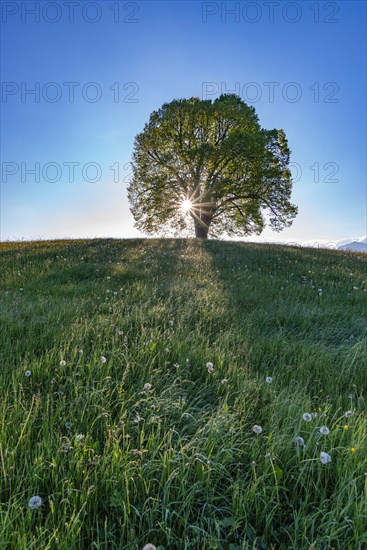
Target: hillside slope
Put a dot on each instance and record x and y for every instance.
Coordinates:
(128, 433)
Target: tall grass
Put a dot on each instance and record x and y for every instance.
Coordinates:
(127, 436)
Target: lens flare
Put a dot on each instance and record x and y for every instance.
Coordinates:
(186, 205)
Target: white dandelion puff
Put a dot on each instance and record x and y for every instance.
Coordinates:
(325, 458)
(299, 441)
(149, 547)
(103, 359)
(80, 437)
(62, 363)
(224, 381)
(35, 502)
(324, 430)
(257, 429)
(348, 414)
(210, 367)
(147, 386)
(27, 373)
(307, 417)
(268, 379)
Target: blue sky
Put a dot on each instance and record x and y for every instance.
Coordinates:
(300, 64)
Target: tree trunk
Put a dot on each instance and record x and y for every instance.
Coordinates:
(201, 230)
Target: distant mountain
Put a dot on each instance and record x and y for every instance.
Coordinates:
(354, 246)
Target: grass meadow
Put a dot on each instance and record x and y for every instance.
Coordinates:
(182, 394)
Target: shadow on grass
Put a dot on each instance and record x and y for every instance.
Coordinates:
(303, 321)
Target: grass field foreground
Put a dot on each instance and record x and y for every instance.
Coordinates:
(182, 394)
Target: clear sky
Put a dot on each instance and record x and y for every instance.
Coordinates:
(98, 69)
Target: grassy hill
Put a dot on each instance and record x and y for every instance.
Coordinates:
(130, 437)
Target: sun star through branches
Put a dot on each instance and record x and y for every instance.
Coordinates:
(186, 205)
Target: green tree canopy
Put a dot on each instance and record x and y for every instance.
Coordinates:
(209, 166)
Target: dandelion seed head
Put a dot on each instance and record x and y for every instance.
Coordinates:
(27, 373)
(307, 417)
(62, 363)
(224, 381)
(35, 502)
(103, 359)
(80, 437)
(210, 367)
(268, 379)
(149, 547)
(257, 429)
(147, 386)
(325, 458)
(299, 441)
(324, 430)
(348, 414)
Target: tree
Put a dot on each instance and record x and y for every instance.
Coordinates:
(210, 166)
